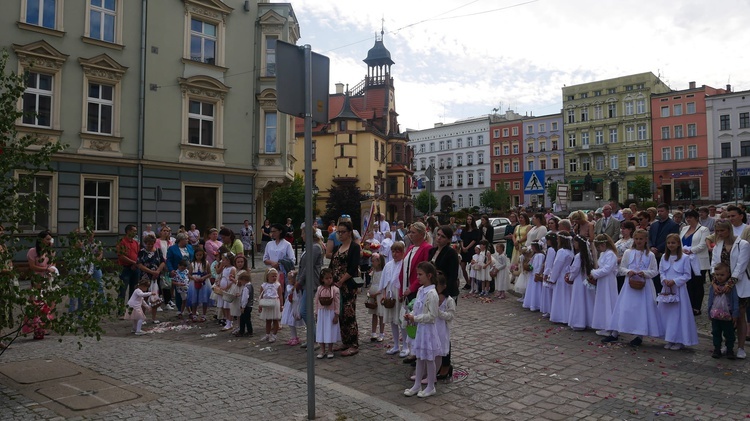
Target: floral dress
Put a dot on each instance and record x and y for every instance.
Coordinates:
(348, 314)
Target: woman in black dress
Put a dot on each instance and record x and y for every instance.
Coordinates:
(470, 237)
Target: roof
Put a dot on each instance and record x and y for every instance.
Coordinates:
(378, 54)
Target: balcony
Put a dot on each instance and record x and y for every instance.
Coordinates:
(459, 184)
(480, 163)
(481, 183)
(458, 165)
(448, 166)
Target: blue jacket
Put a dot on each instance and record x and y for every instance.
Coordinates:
(174, 256)
(658, 231)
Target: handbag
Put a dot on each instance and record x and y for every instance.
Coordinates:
(230, 294)
(389, 301)
(720, 308)
(371, 303)
(568, 280)
(325, 301)
(268, 302)
(636, 282)
(538, 277)
(668, 296)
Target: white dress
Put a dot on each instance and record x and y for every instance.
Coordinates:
(224, 284)
(545, 296)
(473, 268)
(562, 291)
(501, 264)
(427, 344)
(678, 319)
(532, 299)
(325, 331)
(523, 276)
(606, 289)
(390, 287)
(374, 289)
(483, 273)
(635, 310)
(270, 291)
(581, 313)
(290, 315)
(446, 312)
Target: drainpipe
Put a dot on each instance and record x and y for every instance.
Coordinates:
(141, 115)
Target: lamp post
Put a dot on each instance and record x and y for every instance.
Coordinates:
(730, 173)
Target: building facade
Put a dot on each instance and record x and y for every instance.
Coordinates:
(542, 151)
(507, 140)
(607, 134)
(680, 142)
(459, 153)
(728, 126)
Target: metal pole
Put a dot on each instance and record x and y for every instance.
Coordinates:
(309, 232)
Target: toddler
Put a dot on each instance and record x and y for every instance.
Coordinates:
(290, 316)
(377, 263)
(327, 302)
(270, 304)
(500, 271)
(138, 306)
(180, 283)
(247, 295)
(723, 310)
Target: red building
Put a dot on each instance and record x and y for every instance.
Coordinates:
(506, 135)
(680, 144)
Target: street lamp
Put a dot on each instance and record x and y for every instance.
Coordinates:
(730, 173)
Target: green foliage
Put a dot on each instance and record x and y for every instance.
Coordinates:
(552, 191)
(648, 204)
(641, 188)
(426, 202)
(344, 199)
(288, 201)
(44, 301)
(497, 199)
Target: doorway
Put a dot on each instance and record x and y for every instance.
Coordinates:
(614, 191)
(201, 204)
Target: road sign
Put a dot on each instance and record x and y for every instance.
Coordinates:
(533, 182)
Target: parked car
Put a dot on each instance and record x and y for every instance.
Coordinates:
(498, 224)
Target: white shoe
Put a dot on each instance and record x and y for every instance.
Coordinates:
(603, 332)
(265, 337)
(159, 309)
(392, 351)
(381, 338)
(426, 394)
(411, 392)
(676, 347)
(741, 354)
(404, 353)
(668, 345)
(140, 332)
(170, 306)
(272, 338)
(724, 350)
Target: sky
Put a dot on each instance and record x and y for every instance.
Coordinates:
(463, 58)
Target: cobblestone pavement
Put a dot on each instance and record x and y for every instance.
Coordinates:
(510, 364)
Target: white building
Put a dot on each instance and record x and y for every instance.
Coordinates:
(728, 118)
(460, 154)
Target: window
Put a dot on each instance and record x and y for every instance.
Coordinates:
(629, 133)
(204, 34)
(691, 130)
(530, 129)
(480, 177)
(744, 120)
(641, 132)
(42, 13)
(726, 150)
(496, 133)
(628, 87)
(314, 147)
(586, 163)
(515, 131)
(542, 164)
(640, 106)
(459, 143)
(597, 93)
(665, 111)
(459, 179)
(442, 181)
(666, 154)
(99, 109)
(516, 185)
(515, 149)
(469, 142)
(496, 150)
(506, 150)
(422, 164)
(201, 125)
(469, 159)
(611, 110)
(599, 163)
(642, 159)
(506, 167)
(614, 162)
(678, 132)
(37, 100)
(691, 108)
(459, 160)
(506, 132)
(665, 133)
(530, 165)
(421, 148)
(571, 116)
(471, 200)
(470, 179)
(432, 147)
(441, 145)
(571, 97)
(677, 109)
(480, 158)
(102, 21)
(692, 151)
(497, 168)
(98, 203)
(611, 91)
(450, 180)
(745, 148)
(585, 138)
(530, 147)
(555, 163)
(515, 166)
(679, 153)
(271, 55)
(724, 122)
(598, 114)
(631, 160)
(628, 107)
(542, 127)
(599, 137)
(448, 144)
(203, 42)
(449, 162)
(554, 144)
(585, 95)
(612, 135)
(554, 125)
(39, 184)
(382, 152)
(573, 165)
(432, 162)
(571, 140)
(460, 201)
(376, 151)
(585, 114)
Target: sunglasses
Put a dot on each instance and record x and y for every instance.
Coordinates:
(345, 216)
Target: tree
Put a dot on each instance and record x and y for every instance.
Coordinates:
(641, 188)
(426, 202)
(344, 199)
(39, 308)
(552, 191)
(288, 201)
(498, 199)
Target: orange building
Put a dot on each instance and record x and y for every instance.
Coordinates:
(506, 135)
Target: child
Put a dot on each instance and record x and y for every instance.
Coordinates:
(199, 288)
(723, 317)
(427, 344)
(446, 313)
(228, 273)
(532, 299)
(180, 284)
(560, 309)
(290, 316)
(327, 330)
(545, 300)
(473, 270)
(270, 304)
(605, 279)
(678, 319)
(500, 271)
(235, 307)
(635, 310)
(390, 288)
(137, 305)
(215, 268)
(483, 272)
(582, 297)
(524, 260)
(377, 264)
(246, 304)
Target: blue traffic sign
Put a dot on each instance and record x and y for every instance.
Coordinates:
(533, 182)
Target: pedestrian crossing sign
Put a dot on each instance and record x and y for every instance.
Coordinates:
(533, 182)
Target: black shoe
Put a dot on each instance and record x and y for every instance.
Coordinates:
(730, 355)
(410, 359)
(467, 286)
(637, 341)
(448, 374)
(716, 353)
(609, 339)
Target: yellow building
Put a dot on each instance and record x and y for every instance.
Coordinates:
(361, 143)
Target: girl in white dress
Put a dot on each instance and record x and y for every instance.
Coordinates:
(290, 316)
(548, 284)
(446, 313)
(532, 298)
(327, 330)
(270, 304)
(582, 295)
(427, 344)
(560, 309)
(377, 263)
(228, 279)
(138, 306)
(500, 265)
(522, 280)
(679, 323)
(483, 272)
(390, 288)
(635, 310)
(605, 279)
(475, 285)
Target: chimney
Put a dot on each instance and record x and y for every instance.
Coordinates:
(692, 85)
(729, 88)
(339, 88)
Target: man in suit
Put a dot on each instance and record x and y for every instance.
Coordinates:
(657, 236)
(608, 224)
